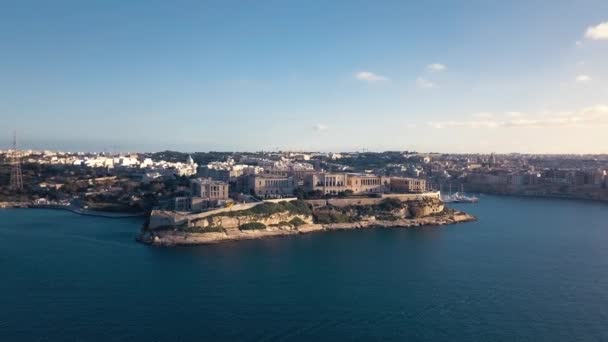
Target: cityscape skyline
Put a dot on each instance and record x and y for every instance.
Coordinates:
(435, 77)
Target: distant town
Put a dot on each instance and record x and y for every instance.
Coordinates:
(139, 182)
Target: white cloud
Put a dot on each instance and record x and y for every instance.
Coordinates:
(462, 124)
(483, 115)
(320, 127)
(436, 67)
(369, 76)
(424, 83)
(514, 114)
(589, 116)
(597, 32)
(583, 78)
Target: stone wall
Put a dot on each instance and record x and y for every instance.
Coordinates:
(163, 218)
(415, 196)
(343, 202)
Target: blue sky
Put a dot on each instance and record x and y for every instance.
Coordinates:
(450, 76)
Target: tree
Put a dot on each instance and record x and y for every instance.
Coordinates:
(390, 204)
(299, 192)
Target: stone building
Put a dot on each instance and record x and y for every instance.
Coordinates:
(328, 183)
(190, 204)
(335, 183)
(368, 184)
(204, 193)
(407, 185)
(270, 185)
(209, 189)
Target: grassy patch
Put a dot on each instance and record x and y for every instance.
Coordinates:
(296, 222)
(330, 216)
(209, 229)
(253, 226)
(296, 207)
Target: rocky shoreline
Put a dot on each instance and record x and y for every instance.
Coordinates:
(177, 237)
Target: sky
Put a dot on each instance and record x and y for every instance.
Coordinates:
(525, 76)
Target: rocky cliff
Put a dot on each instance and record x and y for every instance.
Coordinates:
(291, 218)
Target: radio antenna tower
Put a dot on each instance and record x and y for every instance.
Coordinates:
(16, 175)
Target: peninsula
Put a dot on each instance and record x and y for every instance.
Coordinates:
(286, 217)
(215, 197)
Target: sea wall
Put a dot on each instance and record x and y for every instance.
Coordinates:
(344, 202)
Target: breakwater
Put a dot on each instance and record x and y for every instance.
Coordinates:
(73, 209)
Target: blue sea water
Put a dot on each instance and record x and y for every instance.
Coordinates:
(528, 270)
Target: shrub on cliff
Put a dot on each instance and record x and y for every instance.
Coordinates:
(300, 207)
(266, 208)
(253, 226)
(296, 222)
(297, 207)
(387, 217)
(209, 229)
(416, 210)
(390, 204)
(328, 217)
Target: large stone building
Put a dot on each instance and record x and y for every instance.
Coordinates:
(204, 193)
(270, 185)
(327, 183)
(209, 189)
(408, 185)
(339, 182)
(335, 183)
(368, 184)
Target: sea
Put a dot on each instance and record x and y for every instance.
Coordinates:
(530, 269)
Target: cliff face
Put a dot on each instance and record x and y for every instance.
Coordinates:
(385, 209)
(181, 237)
(426, 209)
(228, 222)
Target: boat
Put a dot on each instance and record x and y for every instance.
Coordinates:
(459, 197)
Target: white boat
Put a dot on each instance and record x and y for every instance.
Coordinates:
(459, 197)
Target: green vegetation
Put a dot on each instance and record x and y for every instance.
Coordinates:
(297, 207)
(209, 229)
(318, 194)
(253, 226)
(332, 216)
(345, 193)
(389, 204)
(387, 217)
(296, 222)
